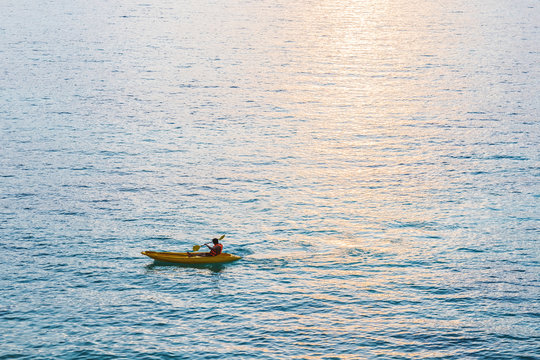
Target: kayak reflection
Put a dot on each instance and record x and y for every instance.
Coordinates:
(212, 267)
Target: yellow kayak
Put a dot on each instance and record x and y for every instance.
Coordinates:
(183, 258)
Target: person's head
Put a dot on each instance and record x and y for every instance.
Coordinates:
(215, 241)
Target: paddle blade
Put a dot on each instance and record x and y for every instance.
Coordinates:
(221, 238)
(196, 247)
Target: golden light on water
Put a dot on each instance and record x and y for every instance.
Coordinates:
(361, 80)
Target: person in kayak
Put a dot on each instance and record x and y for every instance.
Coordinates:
(214, 250)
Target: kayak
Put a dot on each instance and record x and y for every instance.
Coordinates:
(183, 258)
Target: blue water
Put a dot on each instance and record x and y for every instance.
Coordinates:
(376, 164)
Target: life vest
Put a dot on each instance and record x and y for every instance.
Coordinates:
(216, 250)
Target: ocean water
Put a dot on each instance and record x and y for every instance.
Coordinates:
(376, 164)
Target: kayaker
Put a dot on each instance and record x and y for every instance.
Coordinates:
(214, 250)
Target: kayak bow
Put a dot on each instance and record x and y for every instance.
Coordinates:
(183, 258)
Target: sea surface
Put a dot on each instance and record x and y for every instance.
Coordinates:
(375, 163)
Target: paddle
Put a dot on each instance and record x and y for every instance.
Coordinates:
(197, 247)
